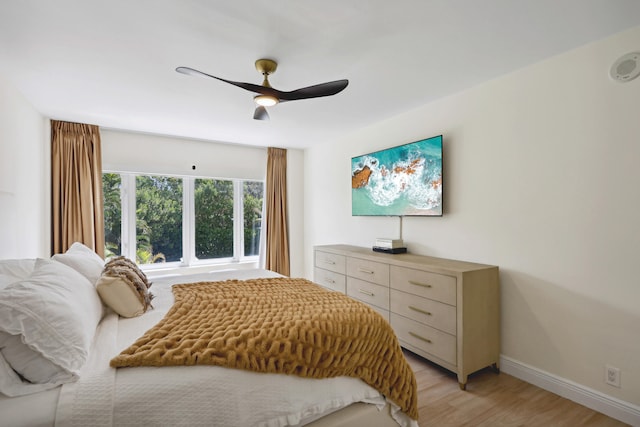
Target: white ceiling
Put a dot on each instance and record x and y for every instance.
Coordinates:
(112, 63)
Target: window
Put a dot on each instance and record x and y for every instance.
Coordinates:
(111, 184)
(181, 220)
(253, 192)
(158, 219)
(214, 218)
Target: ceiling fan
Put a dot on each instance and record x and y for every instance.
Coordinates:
(268, 96)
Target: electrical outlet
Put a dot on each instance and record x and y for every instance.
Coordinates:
(612, 375)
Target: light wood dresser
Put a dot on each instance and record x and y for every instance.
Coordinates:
(444, 310)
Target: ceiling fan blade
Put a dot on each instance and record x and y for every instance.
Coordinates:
(315, 91)
(260, 113)
(247, 86)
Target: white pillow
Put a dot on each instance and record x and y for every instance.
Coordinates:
(84, 260)
(54, 312)
(12, 270)
(9, 380)
(30, 364)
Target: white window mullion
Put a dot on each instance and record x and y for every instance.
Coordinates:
(124, 215)
(128, 203)
(188, 221)
(238, 222)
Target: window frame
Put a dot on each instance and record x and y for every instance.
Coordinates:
(189, 259)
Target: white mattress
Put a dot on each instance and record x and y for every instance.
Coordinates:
(189, 395)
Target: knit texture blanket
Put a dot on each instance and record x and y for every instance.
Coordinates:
(277, 325)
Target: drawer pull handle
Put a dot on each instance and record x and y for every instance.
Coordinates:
(328, 261)
(427, 340)
(424, 285)
(419, 310)
(362, 291)
(331, 281)
(362, 270)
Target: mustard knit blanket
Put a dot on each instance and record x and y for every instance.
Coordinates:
(277, 325)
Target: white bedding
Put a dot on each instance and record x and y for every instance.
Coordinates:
(190, 395)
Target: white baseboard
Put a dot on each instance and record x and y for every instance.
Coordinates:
(615, 408)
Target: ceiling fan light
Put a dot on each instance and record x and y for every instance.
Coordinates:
(266, 100)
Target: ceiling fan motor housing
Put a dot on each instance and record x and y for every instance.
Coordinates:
(266, 66)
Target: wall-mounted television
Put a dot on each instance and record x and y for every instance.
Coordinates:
(399, 181)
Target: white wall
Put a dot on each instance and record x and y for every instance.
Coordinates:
(145, 153)
(24, 177)
(541, 176)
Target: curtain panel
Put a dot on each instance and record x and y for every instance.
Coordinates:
(277, 236)
(76, 180)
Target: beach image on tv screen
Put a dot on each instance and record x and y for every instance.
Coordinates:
(399, 181)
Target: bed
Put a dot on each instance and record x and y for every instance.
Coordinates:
(96, 394)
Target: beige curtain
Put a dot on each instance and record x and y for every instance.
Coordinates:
(277, 257)
(76, 186)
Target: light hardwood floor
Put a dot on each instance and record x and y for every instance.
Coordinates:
(494, 400)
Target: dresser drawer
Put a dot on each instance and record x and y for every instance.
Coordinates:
(433, 313)
(329, 261)
(330, 279)
(425, 284)
(368, 292)
(370, 271)
(425, 338)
